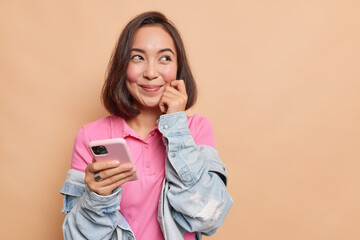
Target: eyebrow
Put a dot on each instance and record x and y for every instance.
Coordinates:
(160, 51)
(166, 50)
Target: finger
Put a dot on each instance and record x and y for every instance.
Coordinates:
(163, 107)
(172, 97)
(122, 168)
(118, 177)
(120, 182)
(179, 85)
(115, 178)
(162, 103)
(178, 90)
(107, 189)
(97, 186)
(173, 93)
(99, 166)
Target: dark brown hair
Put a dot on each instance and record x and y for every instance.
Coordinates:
(115, 95)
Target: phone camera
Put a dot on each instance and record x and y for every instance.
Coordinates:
(100, 150)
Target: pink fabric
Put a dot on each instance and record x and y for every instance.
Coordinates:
(139, 200)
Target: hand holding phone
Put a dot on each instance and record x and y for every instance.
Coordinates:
(112, 166)
(111, 149)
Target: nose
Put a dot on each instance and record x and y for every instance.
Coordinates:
(151, 71)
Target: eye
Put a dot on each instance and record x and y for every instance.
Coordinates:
(165, 59)
(137, 58)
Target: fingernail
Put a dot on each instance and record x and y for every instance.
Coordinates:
(115, 163)
(128, 167)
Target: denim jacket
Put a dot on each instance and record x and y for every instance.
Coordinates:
(193, 197)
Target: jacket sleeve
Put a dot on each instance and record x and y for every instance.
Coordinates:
(197, 178)
(89, 215)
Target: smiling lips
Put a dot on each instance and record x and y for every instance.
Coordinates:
(150, 88)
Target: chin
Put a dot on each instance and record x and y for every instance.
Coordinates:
(152, 104)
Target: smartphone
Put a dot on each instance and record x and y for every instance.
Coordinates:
(111, 149)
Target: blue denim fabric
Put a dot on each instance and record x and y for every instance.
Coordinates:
(193, 198)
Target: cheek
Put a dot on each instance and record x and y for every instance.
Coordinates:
(169, 74)
(132, 73)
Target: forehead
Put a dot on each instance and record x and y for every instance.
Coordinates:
(152, 37)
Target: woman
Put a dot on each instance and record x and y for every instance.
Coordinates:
(180, 192)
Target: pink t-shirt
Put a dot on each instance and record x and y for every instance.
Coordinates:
(139, 199)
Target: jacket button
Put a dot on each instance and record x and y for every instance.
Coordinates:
(173, 155)
(165, 127)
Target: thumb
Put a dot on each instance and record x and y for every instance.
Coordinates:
(163, 107)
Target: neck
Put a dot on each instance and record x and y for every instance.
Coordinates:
(145, 121)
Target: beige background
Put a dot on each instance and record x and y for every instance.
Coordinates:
(279, 80)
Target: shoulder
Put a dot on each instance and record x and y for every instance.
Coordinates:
(198, 122)
(201, 130)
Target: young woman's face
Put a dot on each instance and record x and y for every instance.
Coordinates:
(152, 65)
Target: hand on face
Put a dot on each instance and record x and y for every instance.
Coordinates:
(151, 72)
(174, 97)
